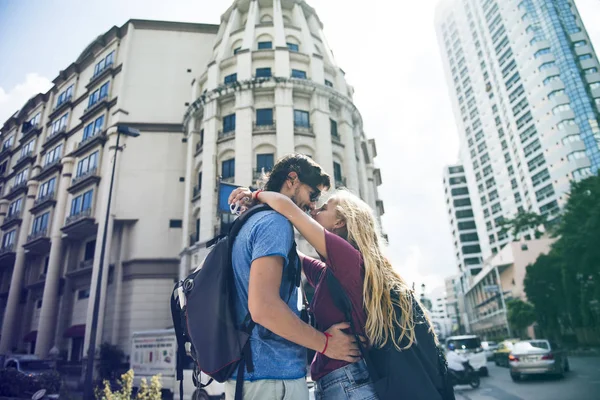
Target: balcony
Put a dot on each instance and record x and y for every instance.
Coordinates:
(82, 268)
(43, 202)
(54, 137)
(89, 143)
(336, 138)
(197, 194)
(49, 169)
(6, 151)
(259, 129)
(12, 220)
(199, 146)
(38, 242)
(29, 130)
(17, 190)
(303, 130)
(26, 158)
(80, 225)
(98, 76)
(194, 238)
(7, 254)
(91, 110)
(67, 103)
(377, 176)
(380, 207)
(84, 179)
(223, 136)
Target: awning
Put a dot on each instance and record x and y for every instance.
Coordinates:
(30, 337)
(75, 331)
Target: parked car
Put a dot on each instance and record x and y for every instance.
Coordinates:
(537, 357)
(29, 365)
(470, 347)
(502, 352)
(489, 348)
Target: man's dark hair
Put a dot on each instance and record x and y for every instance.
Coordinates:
(309, 172)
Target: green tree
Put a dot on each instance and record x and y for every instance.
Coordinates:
(523, 222)
(520, 315)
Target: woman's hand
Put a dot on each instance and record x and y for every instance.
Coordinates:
(243, 197)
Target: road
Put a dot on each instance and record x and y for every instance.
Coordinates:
(582, 383)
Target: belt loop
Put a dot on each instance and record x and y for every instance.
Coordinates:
(349, 375)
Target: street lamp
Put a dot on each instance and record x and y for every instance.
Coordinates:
(89, 373)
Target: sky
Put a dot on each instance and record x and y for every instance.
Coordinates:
(388, 51)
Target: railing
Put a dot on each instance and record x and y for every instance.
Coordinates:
(43, 199)
(65, 101)
(199, 147)
(50, 164)
(336, 137)
(87, 140)
(12, 216)
(5, 149)
(9, 248)
(27, 128)
(340, 182)
(18, 186)
(100, 71)
(84, 175)
(307, 130)
(80, 215)
(56, 133)
(24, 156)
(197, 192)
(223, 135)
(39, 234)
(86, 263)
(194, 238)
(272, 126)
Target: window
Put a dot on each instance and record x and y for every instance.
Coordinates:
(471, 249)
(8, 143)
(64, 96)
(562, 125)
(28, 148)
(228, 168)
(483, 200)
(464, 214)
(264, 116)
(462, 202)
(493, 195)
(53, 155)
(93, 128)
(469, 237)
(555, 93)
(263, 72)
(9, 239)
(486, 213)
(463, 226)
(524, 120)
(561, 108)
(590, 71)
(15, 207)
(541, 52)
(104, 63)
(83, 294)
(579, 43)
(584, 57)
(264, 162)
(59, 124)
(488, 226)
(236, 50)
(175, 223)
(514, 184)
(265, 45)
(490, 182)
(544, 193)
(81, 203)
(90, 250)
(296, 73)
(301, 119)
(576, 155)
(87, 164)
(460, 191)
(540, 177)
(536, 162)
(328, 83)
(550, 79)
(40, 223)
(496, 208)
(230, 79)
(22, 176)
(98, 94)
(293, 47)
(532, 147)
(333, 128)
(458, 181)
(229, 123)
(337, 172)
(47, 188)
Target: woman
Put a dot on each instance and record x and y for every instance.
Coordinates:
(345, 234)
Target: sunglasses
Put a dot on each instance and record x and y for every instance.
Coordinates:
(314, 195)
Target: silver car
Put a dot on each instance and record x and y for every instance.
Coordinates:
(537, 357)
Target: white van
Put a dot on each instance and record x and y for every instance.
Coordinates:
(470, 347)
(155, 352)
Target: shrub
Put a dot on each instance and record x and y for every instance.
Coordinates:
(146, 392)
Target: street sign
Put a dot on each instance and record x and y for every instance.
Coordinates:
(491, 288)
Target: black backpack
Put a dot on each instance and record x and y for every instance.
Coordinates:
(418, 373)
(203, 311)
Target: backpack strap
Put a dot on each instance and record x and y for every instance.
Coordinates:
(178, 325)
(343, 303)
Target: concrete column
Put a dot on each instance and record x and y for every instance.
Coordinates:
(123, 243)
(47, 324)
(362, 168)
(322, 129)
(244, 57)
(244, 102)
(192, 139)
(350, 167)
(282, 54)
(209, 172)
(3, 209)
(317, 72)
(284, 117)
(224, 45)
(11, 315)
(66, 305)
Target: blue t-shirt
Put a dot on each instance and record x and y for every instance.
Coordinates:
(267, 233)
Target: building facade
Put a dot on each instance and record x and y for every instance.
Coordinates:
(221, 105)
(501, 280)
(524, 82)
(272, 87)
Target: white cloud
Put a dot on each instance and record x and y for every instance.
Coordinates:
(12, 100)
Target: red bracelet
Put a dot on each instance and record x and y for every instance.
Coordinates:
(255, 194)
(327, 336)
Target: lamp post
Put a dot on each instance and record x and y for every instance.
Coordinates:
(89, 373)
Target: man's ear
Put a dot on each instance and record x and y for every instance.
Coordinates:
(292, 179)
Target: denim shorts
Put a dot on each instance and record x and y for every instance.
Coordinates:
(351, 382)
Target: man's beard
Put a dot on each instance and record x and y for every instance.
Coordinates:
(295, 197)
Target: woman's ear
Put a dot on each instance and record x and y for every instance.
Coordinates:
(340, 224)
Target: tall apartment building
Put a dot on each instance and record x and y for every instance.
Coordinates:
(262, 84)
(524, 82)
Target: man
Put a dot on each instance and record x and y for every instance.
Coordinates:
(265, 277)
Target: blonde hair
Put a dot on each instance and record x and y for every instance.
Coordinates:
(383, 324)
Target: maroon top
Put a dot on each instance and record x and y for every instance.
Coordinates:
(347, 266)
